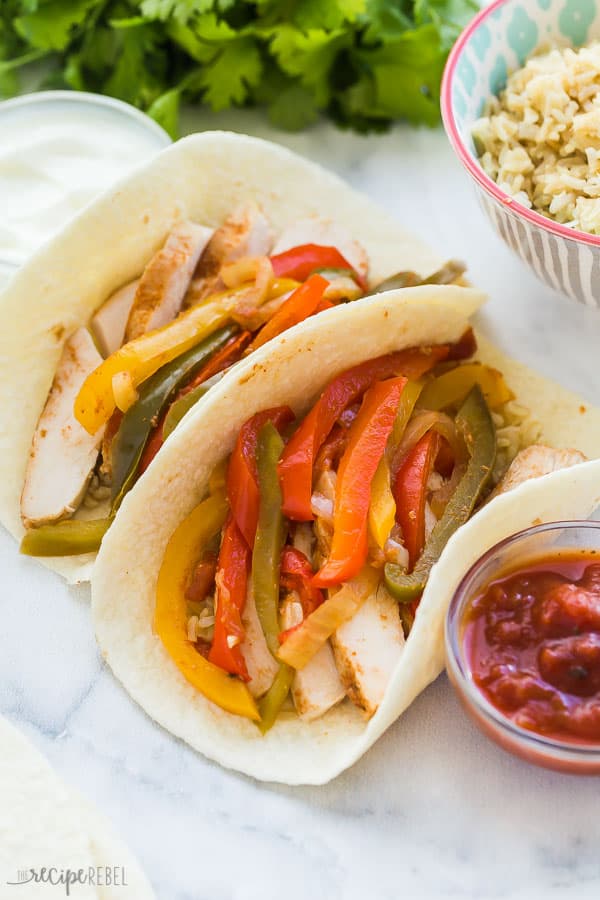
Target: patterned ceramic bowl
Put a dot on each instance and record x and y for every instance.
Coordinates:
(497, 42)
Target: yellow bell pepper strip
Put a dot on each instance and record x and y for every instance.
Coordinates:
(475, 422)
(301, 643)
(270, 536)
(143, 356)
(367, 441)
(382, 509)
(69, 538)
(451, 388)
(170, 614)
(123, 391)
(218, 478)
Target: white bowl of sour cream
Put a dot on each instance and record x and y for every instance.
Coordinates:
(59, 150)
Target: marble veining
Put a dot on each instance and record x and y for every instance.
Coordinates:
(434, 810)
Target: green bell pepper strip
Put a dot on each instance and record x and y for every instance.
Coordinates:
(397, 281)
(69, 538)
(268, 544)
(449, 272)
(269, 539)
(408, 400)
(139, 420)
(474, 420)
(178, 409)
(331, 272)
(273, 700)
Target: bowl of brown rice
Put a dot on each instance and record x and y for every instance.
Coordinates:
(521, 107)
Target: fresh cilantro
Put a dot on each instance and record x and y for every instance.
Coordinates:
(226, 80)
(51, 26)
(363, 63)
(165, 111)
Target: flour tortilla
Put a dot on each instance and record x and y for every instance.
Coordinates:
(203, 178)
(294, 369)
(43, 823)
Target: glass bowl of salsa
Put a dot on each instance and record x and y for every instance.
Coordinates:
(523, 645)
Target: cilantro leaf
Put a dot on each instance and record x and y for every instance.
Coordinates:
(180, 10)
(50, 26)
(165, 111)
(293, 109)
(309, 55)
(329, 16)
(226, 81)
(406, 76)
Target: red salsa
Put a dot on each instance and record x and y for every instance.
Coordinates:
(532, 640)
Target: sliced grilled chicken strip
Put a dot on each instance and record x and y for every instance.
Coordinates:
(367, 648)
(535, 461)
(63, 454)
(108, 324)
(261, 666)
(327, 233)
(166, 278)
(246, 232)
(317, 687)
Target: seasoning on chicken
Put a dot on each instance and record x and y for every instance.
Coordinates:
(166, 278)
(63, 454)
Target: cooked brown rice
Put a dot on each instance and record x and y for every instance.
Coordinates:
(540, 139)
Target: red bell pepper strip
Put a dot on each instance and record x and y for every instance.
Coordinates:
(296, 575)
(203, 579)
(222, 359)
(410, 493)
(301, 304)
(298, 459)
(464, 347)
(332, 450)
(300, 262)
(368, 438)
(325, 304)
(242, 475)
(153, 445)
(231, 580)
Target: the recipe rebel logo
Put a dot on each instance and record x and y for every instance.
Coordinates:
(69, 879)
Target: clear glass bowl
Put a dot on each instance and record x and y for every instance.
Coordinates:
(521, 548)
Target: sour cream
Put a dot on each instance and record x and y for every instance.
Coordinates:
(58, 150)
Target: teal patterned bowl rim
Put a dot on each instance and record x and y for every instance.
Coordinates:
(466, 155)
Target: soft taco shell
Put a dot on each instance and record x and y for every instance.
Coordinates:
(294, 369)
(44, 823)
(203, 178)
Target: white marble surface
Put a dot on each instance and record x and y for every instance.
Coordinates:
(434, 810)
